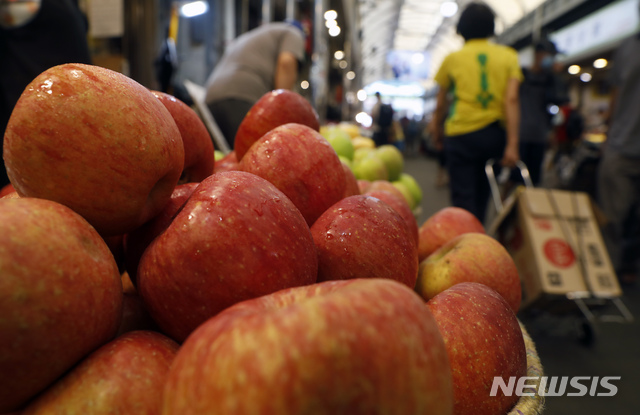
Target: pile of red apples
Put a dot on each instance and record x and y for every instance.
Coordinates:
(140, 276)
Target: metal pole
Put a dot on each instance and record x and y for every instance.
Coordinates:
(291, 9)
(229, 21)
(320, 60)
(267, 11)
(244, 24)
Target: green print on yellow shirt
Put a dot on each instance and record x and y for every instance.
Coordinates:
(484, 97)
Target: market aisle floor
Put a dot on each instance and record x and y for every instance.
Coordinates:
(615, 350)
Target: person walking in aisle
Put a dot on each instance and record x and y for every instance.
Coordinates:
(266, 58)
(479, 84)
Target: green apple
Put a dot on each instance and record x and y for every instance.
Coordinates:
(404, 189)
(346, 161)
(363, 142)
(412, 185)
(341, 142)
(361, 153)
(371, 168)
(392, 159)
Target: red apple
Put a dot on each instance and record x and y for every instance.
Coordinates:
(483, 340)
(96, 141)
(351, 183)
(11, 195)
(135, 315)
(301, 163)
(471, 257)
(136, 241)
(125, 376)
(60, 295)
(127, 285)
(387, 186)
(401, 206)
(6, 190)
(445, 225)
(227, 163)
(363, 237)
(341, 347)
(237, 237)
(199, 155)
(272, 110)
(364, 185)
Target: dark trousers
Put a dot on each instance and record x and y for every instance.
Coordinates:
(229, 114)
(532, 154)
(466, 155)
(381, 136)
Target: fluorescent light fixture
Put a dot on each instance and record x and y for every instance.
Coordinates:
(330, 15)
(343, 64)
(194, 8)
(351, 75)
(585, 77)
(338, 54)
(304, 84)
(448, 8)
(334, 31)
(574, 69)
(600, 63)
(361, 95)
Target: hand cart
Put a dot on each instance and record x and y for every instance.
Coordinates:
(579, 312)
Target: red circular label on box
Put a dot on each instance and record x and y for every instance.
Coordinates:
(559, 253)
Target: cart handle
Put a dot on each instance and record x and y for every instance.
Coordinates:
(493, 183)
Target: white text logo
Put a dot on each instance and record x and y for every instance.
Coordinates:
(556, 386)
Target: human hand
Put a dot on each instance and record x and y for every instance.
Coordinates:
(510, 156)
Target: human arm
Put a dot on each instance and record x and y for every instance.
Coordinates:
(512, 116)
(436, 126)
(286, 72)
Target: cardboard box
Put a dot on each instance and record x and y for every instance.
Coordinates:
(555, 241)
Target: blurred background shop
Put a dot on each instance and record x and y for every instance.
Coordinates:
(357, 48)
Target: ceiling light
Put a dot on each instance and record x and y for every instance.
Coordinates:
(600, 63)
(417, 58)
(351, 75)
(343, 64)
(194, 8)
(334, 31)
(330, 15)
(585, 77)
(304, 84)
(338, 54)
(448, 8)
(331, 23)
(574, 69)
(362, 95)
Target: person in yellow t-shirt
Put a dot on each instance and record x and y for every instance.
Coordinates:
(479, 88)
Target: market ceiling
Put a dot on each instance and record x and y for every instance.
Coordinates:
(419, 26)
